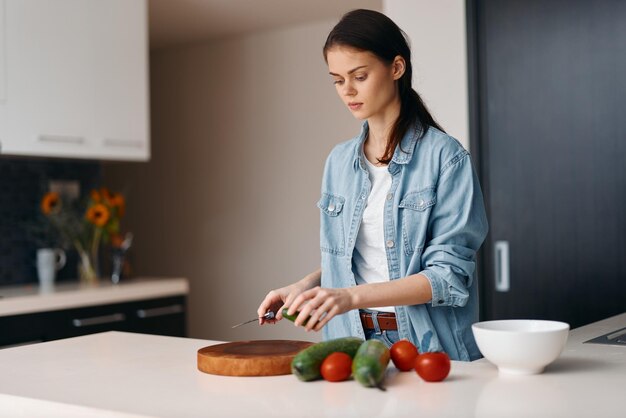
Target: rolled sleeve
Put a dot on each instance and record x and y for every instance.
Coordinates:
(458, 226)
(439, 296)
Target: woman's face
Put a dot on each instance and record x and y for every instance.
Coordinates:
(366, 84)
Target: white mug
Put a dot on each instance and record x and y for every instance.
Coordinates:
(49, 261)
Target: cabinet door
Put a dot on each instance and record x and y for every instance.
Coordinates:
(163, 316)
(49, 54)
(159, 316)
(120, 35)
(22, 329)
(552, 128)
(76, 76)
(83, 321)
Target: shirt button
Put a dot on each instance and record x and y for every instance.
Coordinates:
(331, 207)
(363, 196)
(420, 203)
(389, 196)
(390, 244)
(440, 301)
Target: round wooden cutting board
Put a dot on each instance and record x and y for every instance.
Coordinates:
(250, 358)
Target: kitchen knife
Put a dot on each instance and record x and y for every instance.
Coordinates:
(269, 315)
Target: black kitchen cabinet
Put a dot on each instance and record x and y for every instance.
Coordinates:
(549, 94)
(163, 316)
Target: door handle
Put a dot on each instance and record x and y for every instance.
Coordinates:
(62, 139)
(99, 320)
(162, 311)
(126, 143)
(501, 249)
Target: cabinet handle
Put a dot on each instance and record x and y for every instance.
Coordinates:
(62, 139)
(99, 320)
(502, 266)
(127, 143)
(165, 310)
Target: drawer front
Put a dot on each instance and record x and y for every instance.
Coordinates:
(22, 329)
(161, 317)
(164, 316)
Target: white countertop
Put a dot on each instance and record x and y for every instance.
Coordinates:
(122, 375)
(24, 299)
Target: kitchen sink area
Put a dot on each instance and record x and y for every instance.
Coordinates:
(617, 337)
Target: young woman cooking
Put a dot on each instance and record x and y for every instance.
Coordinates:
(401, 209)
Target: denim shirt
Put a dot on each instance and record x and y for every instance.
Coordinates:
(434, 222)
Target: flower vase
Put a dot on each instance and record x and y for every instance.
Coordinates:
(87, 268)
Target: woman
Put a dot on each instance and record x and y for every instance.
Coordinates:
(402, 214)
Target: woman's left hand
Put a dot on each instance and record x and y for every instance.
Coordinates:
(320, 305)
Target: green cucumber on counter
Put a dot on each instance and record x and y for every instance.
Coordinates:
(306, 364)
(370, 363)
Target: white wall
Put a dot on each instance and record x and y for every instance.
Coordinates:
(240, 132)
(437, 30)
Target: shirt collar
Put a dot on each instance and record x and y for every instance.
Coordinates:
(402, 154)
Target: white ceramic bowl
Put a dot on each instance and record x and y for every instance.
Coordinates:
(521, 346)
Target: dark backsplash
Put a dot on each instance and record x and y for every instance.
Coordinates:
(22, 184)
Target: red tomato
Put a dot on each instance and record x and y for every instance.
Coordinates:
(336, 367)
(432, 367)
(403, 355)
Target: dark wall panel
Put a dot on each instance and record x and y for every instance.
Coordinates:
(22, 184)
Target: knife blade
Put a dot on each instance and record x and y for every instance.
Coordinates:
(268, 315)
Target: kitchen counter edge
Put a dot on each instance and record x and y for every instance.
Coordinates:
(27, 299)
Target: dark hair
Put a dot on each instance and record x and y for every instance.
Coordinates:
(368, 30)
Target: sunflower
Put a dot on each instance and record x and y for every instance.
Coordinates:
(95, 196)
(98, 214)
(50, 203)
(106, 195)
(117, 201)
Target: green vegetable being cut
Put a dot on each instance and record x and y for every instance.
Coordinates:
(293, 317)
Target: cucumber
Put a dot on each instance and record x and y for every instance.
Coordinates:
(306, 364)
(370, 363)
(293, 317)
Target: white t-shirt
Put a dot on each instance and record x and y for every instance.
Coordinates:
(370, 257)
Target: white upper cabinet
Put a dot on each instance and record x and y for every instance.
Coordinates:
(121, 104)
(76, 75)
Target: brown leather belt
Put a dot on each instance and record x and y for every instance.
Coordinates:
(386, 321)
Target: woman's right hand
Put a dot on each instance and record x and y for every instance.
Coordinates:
(277, 299)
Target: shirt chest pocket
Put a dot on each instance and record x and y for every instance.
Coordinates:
(332, 237)
(415, 210)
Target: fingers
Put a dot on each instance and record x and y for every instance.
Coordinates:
(331, 313)
(294, 306)
(271, 301)
(265, 305)
(322, 314)
(302, 303)
(290, 298)
(317, 306)
(279, 313)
